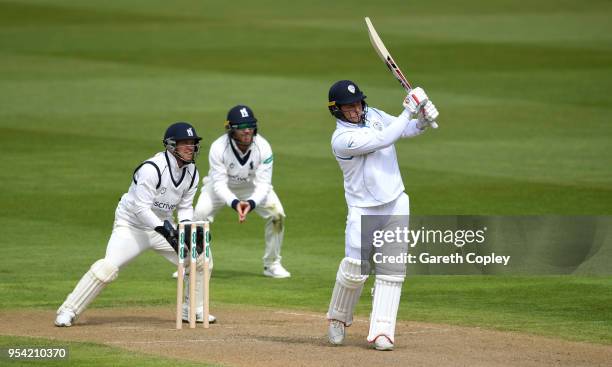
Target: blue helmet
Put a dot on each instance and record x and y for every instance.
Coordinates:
(344, 92)
(181, 131)
(241, 117)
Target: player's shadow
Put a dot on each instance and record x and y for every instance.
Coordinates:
(309, 340)
(128, 319)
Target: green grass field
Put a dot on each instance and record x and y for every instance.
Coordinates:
(87, 89)
(88, 354)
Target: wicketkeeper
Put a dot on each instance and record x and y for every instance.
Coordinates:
(363, 144)
(161, 185)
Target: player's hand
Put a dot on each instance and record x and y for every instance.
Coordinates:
(430, 112)
(200, 240)
(243, 208)
(427, 116)
(170, 234)
(416, 99)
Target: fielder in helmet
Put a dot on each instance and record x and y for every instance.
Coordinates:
(363, 144)
(240, 177)
(161, 186)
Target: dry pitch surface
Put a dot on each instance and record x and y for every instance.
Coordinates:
(268, 337)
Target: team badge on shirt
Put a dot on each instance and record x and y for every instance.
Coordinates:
(377, 125)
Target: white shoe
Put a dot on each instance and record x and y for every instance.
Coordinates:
(199, 315)
(335, 332)
(64, 318)
(382, 342)
(175, 274)
(276, 271)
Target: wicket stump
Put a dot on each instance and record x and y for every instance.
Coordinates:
(189, 240)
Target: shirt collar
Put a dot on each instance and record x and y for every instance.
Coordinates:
(348, 124)
(174, 162)
(236, 149)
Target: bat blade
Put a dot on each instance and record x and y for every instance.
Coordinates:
(386, 57)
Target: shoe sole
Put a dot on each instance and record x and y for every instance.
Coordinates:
(382, 348)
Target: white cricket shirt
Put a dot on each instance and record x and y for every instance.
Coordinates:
(232, 171)
(158, 188)
(366, 155)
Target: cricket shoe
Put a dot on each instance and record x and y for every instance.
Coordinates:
(336, 332)
(276, 271)
(199, 315)
(65, 318)
(382, 342)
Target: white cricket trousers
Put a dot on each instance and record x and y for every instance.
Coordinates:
(399, 206)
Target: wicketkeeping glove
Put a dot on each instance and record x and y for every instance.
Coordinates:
(415, 100)
(200, 240)
(169, 233)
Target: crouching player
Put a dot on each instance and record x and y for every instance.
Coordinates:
(161, 185)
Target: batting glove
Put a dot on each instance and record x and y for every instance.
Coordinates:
(415, 100)
(427, 116)
(430, 111)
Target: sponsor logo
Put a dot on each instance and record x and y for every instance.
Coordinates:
(164, 206)
(238, 178)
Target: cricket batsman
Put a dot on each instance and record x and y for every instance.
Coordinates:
(363, 144)
(240, 177)
(162, 185)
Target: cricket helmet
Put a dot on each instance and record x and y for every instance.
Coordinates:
(240, 117)
(181, 131)
(344, 92)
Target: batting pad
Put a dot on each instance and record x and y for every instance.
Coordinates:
(349, 284)
(387, 292)
(91, 284)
